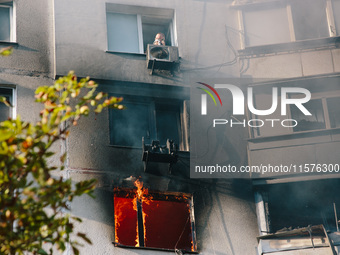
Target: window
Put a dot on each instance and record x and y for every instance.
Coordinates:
(274, 22)
(293, 205)
(325, 114)
(309, 122)
(7, 22)
(154, 220)
(148, 118)
(5, 111)
(267, 25)
(131, 28)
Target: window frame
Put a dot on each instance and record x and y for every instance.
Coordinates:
(255, 132)
(241, 8)
(154, 196)
(140, 11)
(152, 103)
(325, 111)
(12, 22)
(13, 101)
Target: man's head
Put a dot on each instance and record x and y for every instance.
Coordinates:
(159, 39)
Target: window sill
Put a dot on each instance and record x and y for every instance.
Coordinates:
(140, 148)
(295, 135)
(126, 53)
(149, 248)
(320, 43)
(5, 43)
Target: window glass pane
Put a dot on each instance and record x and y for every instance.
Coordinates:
(122, 32)
(128, 126)
(5, 24)
(5, 110)
(266, 26)
(313, 122)
(125, 221)
(167, 123)
(164, 223)
(336, 12)
(309, 18)
(334, 111)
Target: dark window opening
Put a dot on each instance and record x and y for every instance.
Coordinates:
(153, 120)
(309, 18)
(5, 111)
(296, 205)
(153, 26)
(154, 220)
(309, 122)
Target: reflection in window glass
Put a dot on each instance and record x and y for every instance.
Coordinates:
(334, 111)
(309, 18)
(266, 26)
(309, 122)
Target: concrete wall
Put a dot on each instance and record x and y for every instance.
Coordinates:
(225, 212)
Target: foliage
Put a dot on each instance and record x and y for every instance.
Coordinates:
(6, 51)
(33, 203)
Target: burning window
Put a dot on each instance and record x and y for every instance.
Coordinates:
(154, 220)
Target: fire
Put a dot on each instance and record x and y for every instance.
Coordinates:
(132, 209)
(142, 196)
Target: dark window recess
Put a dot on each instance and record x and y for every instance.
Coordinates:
(152, 26)
(334, 111)
(309, 122)
(128, 126)
(154, 220)
(294, 205)
(149, 119)
(5, 110)
(309, 18)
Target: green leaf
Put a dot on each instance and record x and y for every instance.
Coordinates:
(84, 237)
(43, 252)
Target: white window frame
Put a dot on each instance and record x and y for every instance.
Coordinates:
(329, 17)
(12, 21)
(139, 11)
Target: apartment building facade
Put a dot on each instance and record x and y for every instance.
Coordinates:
(270, 43)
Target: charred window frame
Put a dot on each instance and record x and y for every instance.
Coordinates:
(131, 28)
(276, 22)
(154, 119)
(5, 111)
(7, 21)
(284, 206)
(162, 221)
